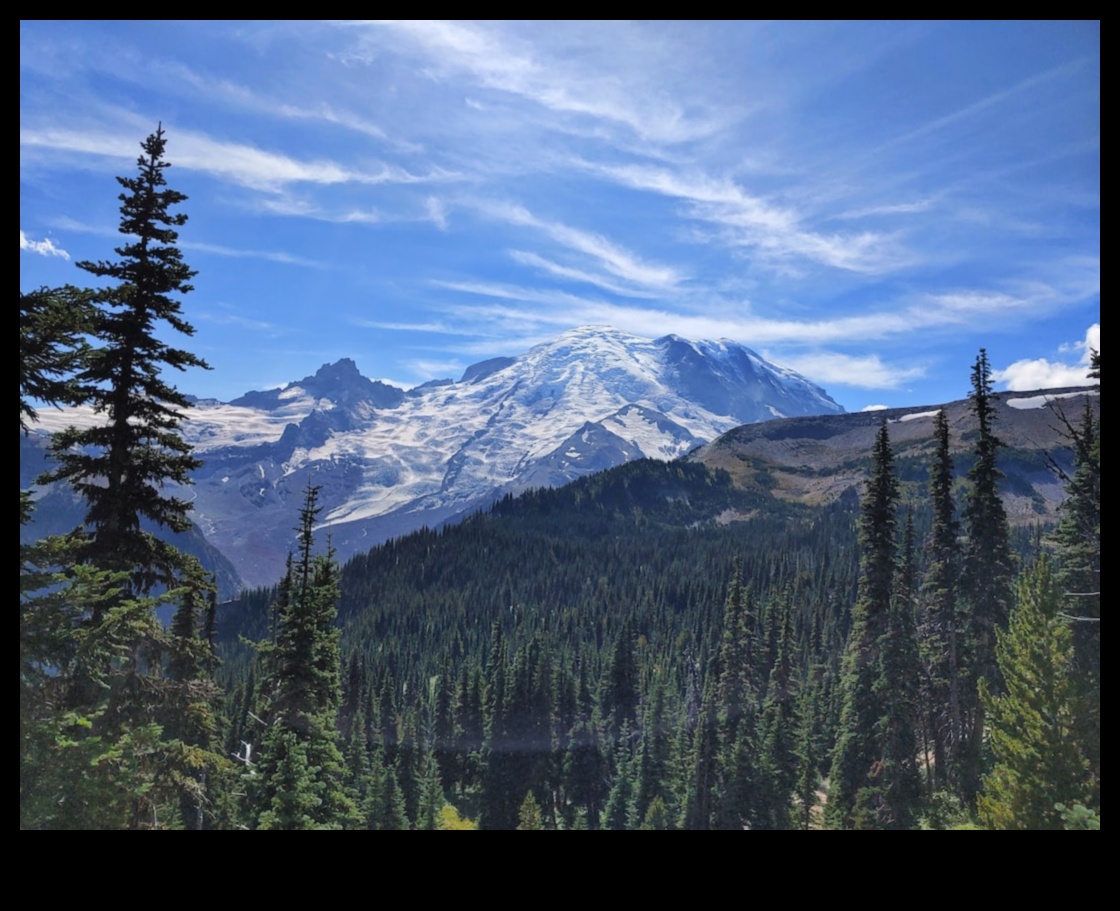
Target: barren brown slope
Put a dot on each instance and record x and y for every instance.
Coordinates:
(816, 460)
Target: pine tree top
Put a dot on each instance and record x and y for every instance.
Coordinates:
(123, 467)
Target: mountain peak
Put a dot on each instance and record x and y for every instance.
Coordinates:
(340, 382)
(590, 398)
(342, 373)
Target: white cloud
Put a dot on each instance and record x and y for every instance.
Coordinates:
(862, 372)
(587, 79)
(770, 231)
(545, 265)
(440, 327)
(737, 321)
(874, 408)
(43, 247)
(437, 212)
(237, 163)
(616, 260)
(902, 208)
(436, 370)
(1039, 373)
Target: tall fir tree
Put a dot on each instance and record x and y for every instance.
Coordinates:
(940, 620)
(860, 779)
(127, 696)
(301, 779)
(989, 570)
(123, 466)
(778, 725)
(898, 688)
(734, 798)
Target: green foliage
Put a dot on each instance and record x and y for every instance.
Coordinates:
(122, 466)
(301, 780)
(988, 573)
(107, 739)
(117, 713)
(52, 322)
(1037, 761)
(941, 623)
(897, 687)
(451, 821)
(988, 566)
(873, 778)
(529, 816)
(656, 817)
(1077, 543)
(1079, 817)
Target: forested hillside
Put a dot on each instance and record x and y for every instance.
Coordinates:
(659, 646)
(656, 636)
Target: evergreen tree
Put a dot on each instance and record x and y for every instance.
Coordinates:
(302, 774)
(189, 711)
(808, 749)
(857, 787)
(940, 619)
(898, 689)
(779, 726)
(703, 770)
(431, 799)
(989, 570)
(130, 698)
(620, 800)
(734, 802)
(121, 467)
(51, 324)
(1038, 764)
(529, 816)
(1077, 540)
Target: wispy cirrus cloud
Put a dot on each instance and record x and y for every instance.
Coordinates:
(738, 320)
(577, 74)
(770, 231)
(44, 247)
(889, 209)
(238, 163)
(235, 319)
(239, 96)
(978, 107)
(442, 328)
(275, 256)
(607, 254)
(536, 261)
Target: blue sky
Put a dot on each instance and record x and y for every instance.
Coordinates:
(868, 203)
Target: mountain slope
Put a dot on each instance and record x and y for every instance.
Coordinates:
(816, 460)
(391, 461)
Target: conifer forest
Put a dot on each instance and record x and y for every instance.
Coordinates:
(603, 655)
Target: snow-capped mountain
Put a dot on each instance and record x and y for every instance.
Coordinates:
(391, 461)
